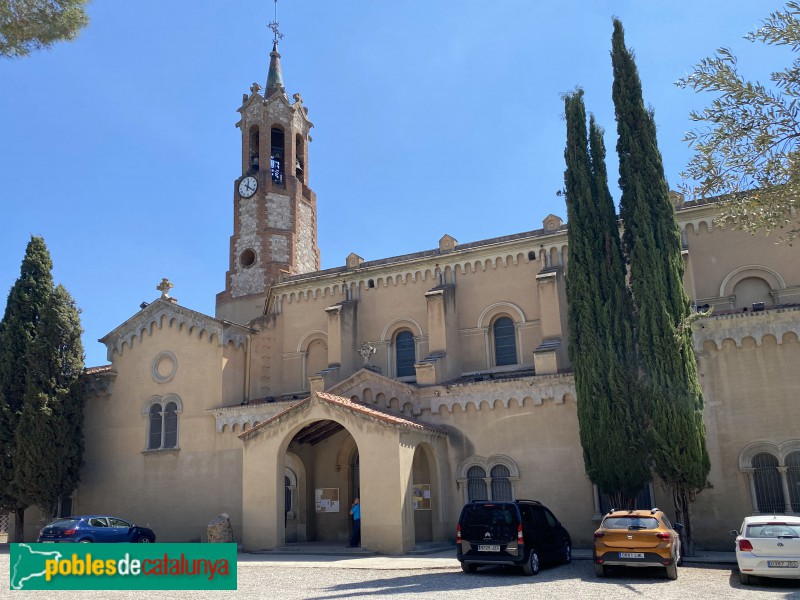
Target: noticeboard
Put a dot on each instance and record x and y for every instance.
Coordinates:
(326, 500)
(421, 496)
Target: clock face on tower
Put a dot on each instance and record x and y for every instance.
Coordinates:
(248, 186)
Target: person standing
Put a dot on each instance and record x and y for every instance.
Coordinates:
(355, 510)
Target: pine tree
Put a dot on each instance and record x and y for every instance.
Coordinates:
(49, 437)
(26, 300)
(652, 246)
(601, 341)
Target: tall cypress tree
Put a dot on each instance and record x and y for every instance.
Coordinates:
(652, 246)
(26, 300)
(49, 438)
(599, 309)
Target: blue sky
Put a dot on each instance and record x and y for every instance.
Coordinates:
(431, 117)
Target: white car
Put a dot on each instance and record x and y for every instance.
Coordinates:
(768, 546)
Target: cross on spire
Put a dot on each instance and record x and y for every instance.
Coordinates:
(277, 36)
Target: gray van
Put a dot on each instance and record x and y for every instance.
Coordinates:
(522, 533)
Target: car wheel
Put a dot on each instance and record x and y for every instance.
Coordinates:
(600, 570)
(566, 553)
(144, 540)
(468, 568)
(672, 570)
(745, 579)
(86, 541)
(532, 565)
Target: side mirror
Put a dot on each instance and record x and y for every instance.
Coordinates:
(733, 532)
(678, 527)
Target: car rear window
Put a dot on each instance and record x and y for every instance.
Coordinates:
(772, 530)
(63, 523)
(630, 523)
(483, 515)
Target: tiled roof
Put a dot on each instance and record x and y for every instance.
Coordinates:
(346, 403)
(371, 411)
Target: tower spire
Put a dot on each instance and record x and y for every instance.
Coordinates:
(274, 77)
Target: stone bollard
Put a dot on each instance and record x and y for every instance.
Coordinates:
(220, 530)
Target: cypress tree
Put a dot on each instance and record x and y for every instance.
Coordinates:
(652, 246)
(26, 300)
(599, 314)
(49, 437)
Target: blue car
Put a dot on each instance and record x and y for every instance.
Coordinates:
(89, 529)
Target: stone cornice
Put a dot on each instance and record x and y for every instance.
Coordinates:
(776, 322)
(169, 313)
(480, 256)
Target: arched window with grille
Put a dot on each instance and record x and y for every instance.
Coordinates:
(476, 484)
(162, 422)
(505, 342)
(405, 354)
(501, 484)
(767, 482)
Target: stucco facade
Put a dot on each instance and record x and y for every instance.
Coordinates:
(415, 382)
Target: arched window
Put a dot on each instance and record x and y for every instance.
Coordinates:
(501, 485)
(254, 148)
(793, 478)
(277, 155)
(767, 480)
(405, 355)
(505, 342)
(476, 484)
(162, 423)
(299, 152)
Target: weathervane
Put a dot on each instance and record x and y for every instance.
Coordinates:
(277, 36)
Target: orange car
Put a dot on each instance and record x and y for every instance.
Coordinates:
(637, 538)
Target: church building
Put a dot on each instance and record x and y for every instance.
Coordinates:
(415, 383)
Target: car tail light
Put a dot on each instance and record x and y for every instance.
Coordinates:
(663, 535)
(745, 545)
(458, 534)
(520, 539)
(599, 534)
(70, 531)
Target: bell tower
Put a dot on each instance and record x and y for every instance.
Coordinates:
(274, 210)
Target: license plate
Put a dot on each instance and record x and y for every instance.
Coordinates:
(489, 548)
(631, 554)
(786, 564)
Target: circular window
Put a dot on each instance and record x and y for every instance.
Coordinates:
(164, 366)
(247, 258)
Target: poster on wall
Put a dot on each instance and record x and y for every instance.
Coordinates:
(327, 499)
(421, 496)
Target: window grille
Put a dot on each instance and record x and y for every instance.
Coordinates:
(501, 484)
(793, 479)
(155, 427)
(505, 342)
(404, 349)
(171, 426)
(476, 484)
(767, 480)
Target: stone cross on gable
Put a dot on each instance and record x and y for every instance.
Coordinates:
(366, 351)
(164, 287)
